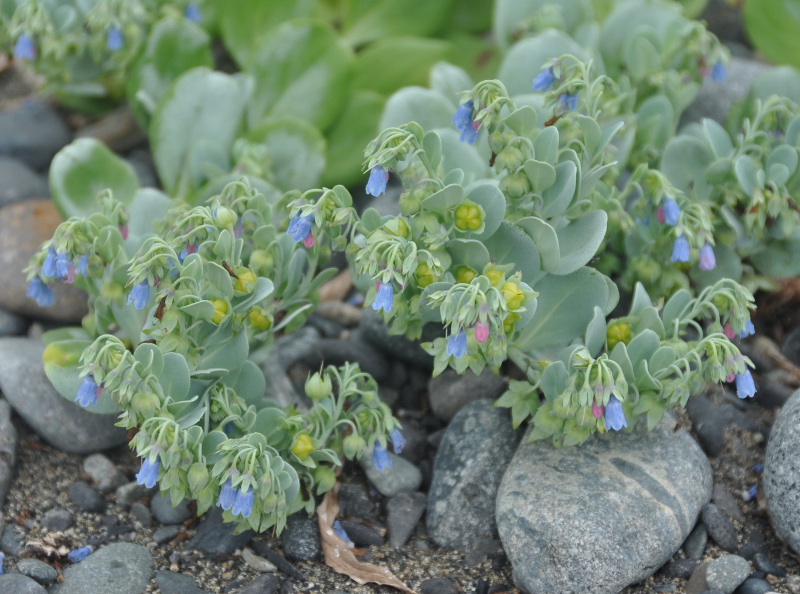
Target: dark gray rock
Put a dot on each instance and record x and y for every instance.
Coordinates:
(765, 564)
(16, 583)
(300, 539)
(336, 351)
(118, 568)
(57, 520)
(141, 513)
(376, 333)
(679, 568)
(603, 515)
(470, 462)
(32, 132)
(720, 528)
(165, 513)
(277, 560)
(170, 582)
(37, 570)
(165, 534)
(20, 182)
(440, 585)
(449, 392)
(355, 501)
(130, 492)
(751, 549)
(215, 538)
(727, 572)
(12, 325)
(62, 423)
(695, 545)
(104, 473)
(8, 450)
(86, 499)
(710, 420)
(697, 583)
(782, 473)
(753, 586)
(360, 535)
(416, 449)
(291, 349)
(263, 584)
(402, 477)
(771, 392)
(723, 499)
(11, 541)
(142, 163)
(403, 513)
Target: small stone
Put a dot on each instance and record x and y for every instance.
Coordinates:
(355, 501)
(8, 450)
(86, 499)
(38, 570)
(12, 325)
(216, 538)
(360, 535)
(327, 328)
(334, 351)
(679, 568)
(727, 572)
(263, 584)
(695, 544)
(765, 564)
(20, 182)
(793, 583)
(130, 492)
(726, 502)
(710, 420)
(16, 583)
(121, 568)
(106, 476)
(440, 585)
(300, 539)
(170, 582)
(401, 477)
(11, 541)
(750, 549)
(720, 528)
(32, 132)
(257, 562)
(337, 311)
(117, 129)
(449, 392)
(403, 513)
(753, 586)
(57, 520)
(697, 583)
(141, 513)
(165, 534)
(165, 513)
(375, 332)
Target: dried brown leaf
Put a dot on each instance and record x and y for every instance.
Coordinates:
(337, 288)
(340, 558)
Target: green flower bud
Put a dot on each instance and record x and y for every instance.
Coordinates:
(354, 446)
(516, 185)
(197, 476)
(146, 404)
(303, 446)
(469, 216)
(318, 386)
(324, 479)
(410, 203)
(510, 158)
(564, 408)
(261, 261)
(617, 333)
(224, 217)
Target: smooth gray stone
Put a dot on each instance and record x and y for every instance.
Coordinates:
(723, 499)
(170, 582)
(86, 499)
(130, 492)
(32, 132)
(782, 473)
(300, 539)
(263, 584)
(602, 515)
(449, 392)
(440, 585)
(57, 520)
(402, 477)
(360, 535)
(765, 564)
(475, 451)
(118, 568)
(753, 586)
(727, 572)
(338, 351)
(695, 545)
(16, 583)
(376, 333)
(710, 420)
(679, 568)
(20, 182)
(141, 513)
(403, 513)
(165, 513)
(37, 570)
(11, 324)
(8, 450)
(62, 423)
(720, 528)
(215, 538)
(11, 541)
(104, 473)
(355, 501)
(165, 534)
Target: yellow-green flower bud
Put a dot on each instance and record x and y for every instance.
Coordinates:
(246, 280)
(510, 158)
(261, 261)
(513, 295)
(303, 446)
(515, 185)
(258, 319)
(509, 321)
(469, 216)
(495, 276)
(423, 274)
(146, 404)
(197, 476)
(410, 203)
(617, 333)
(220, 311)
(354, 446)
(465, 274)
(324, 478)
(224, 217)
(397, 226)
(318, 386)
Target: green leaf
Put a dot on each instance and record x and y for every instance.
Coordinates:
(674, 307)
(150, 356)
(558, 197)
(546, 240)
(541, 175)
(296, 152)
(445, 199)
(199, 310)
(580, 239)
(778, 258)
(684, 162)
(595, 337)
(511, 245)
(523, 121)
(200, 107)
(655, 122)
(554, 380)
(729, 265)
(643, 346)
(249, 383)
(83, 169)
(263, 289)
(211, 443)
(745, 171)
(174, 378)
(718, 140)
(449, 81)
(228, 354)
(468, 252)
(370, 20)
(772, 26)
(301, 70)
(147, 206)
(511, 17)
(415, 104)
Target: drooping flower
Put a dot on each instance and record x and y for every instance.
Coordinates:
(2, 560)
(123, 230)
(748, 329)
(227, 496)
(80, 554)
(481, 331)
(148, 473)
(707, 258)
(680, 250)
(671, 211)
(727, 330)
(719, 71)
(457, 344)
(243, 504)
(140, 295)
(341, 533)
(385, 298)
(62, 265)
(43, 294)
(745, 386)
(750, 493)
(380, 458)
(470, 133)
(25, 48)
(615, 418)
(463, 116)
(300, 227)
(49, 264)
(544, 80)
(190, 248)
(88, 391)
(192, 13)
(376, 185)
(398, 441)
(568, 102)
(598, 410)
(114, 40)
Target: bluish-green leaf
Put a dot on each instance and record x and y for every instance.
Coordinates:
(174, 378)
(370, 20)
(511, 245)
(772, 25)
(558, 197)
(580, 239)
(296, 152)
(595, 337)
(416, 104)
(546, 240)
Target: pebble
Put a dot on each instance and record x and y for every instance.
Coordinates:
(12, 325)
(215, 538)
(130, 492)
(16, 583)
(117, 129)
(165, 534)
(753, 586)
(723, 499)
(695, 544)
(765, 564)
(300, 539)
(20, 182)
(449, 392)
(773, 393)
(62, 423)
(375, 332)
(170, 582)
(279, 386)
(679, 568)
(164, 512)
(11, 541)
(727, 572)
(417, 447)
(402, 514)
(326, 327)
(604, 516)
(360, 535)
(401, 477)
(340, 312)
(697, 583)
(711, 419)
(141, 513)
(720, 528)
(118, 568)
(441, 585)
(751, 549)
(32, 132)
(106, 476)
(86, 499)
(782, 473)
(257, 562)
(477, 447)
(263, 584)
(8, 449)
(355, 501)
(57, 520)
(37, 570)
(277, 560)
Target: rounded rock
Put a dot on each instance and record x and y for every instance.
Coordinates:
(57, 520)
(37, 570)
(300, 539)
(118, 568)
(86, 499)
(753, 586)
(16, 583)
(440, 585)
(165, 513)
(720, 528)
(727, 572)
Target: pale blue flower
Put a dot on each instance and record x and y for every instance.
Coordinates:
(227, 496)
(87, 392)
(243, 504)
(192, 13)
(80, 554)
(568, 102)
(707, 258)
(114, 41)
(544, 80)
(745, 386)
(83, 265)
(43, 294)
(463, 116)
(25, 48)
(376, 185)
(615, 418)
(719, 71)
(300, 227)
(457, 344)
(470, 133)
(49, 264)
(140, 295)
(385, 298)
(680, 250)
(62, 265)
(398, 441)
(748, 329)
(671, 211)
(2, 560)
(148, 473)
(380, 458)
